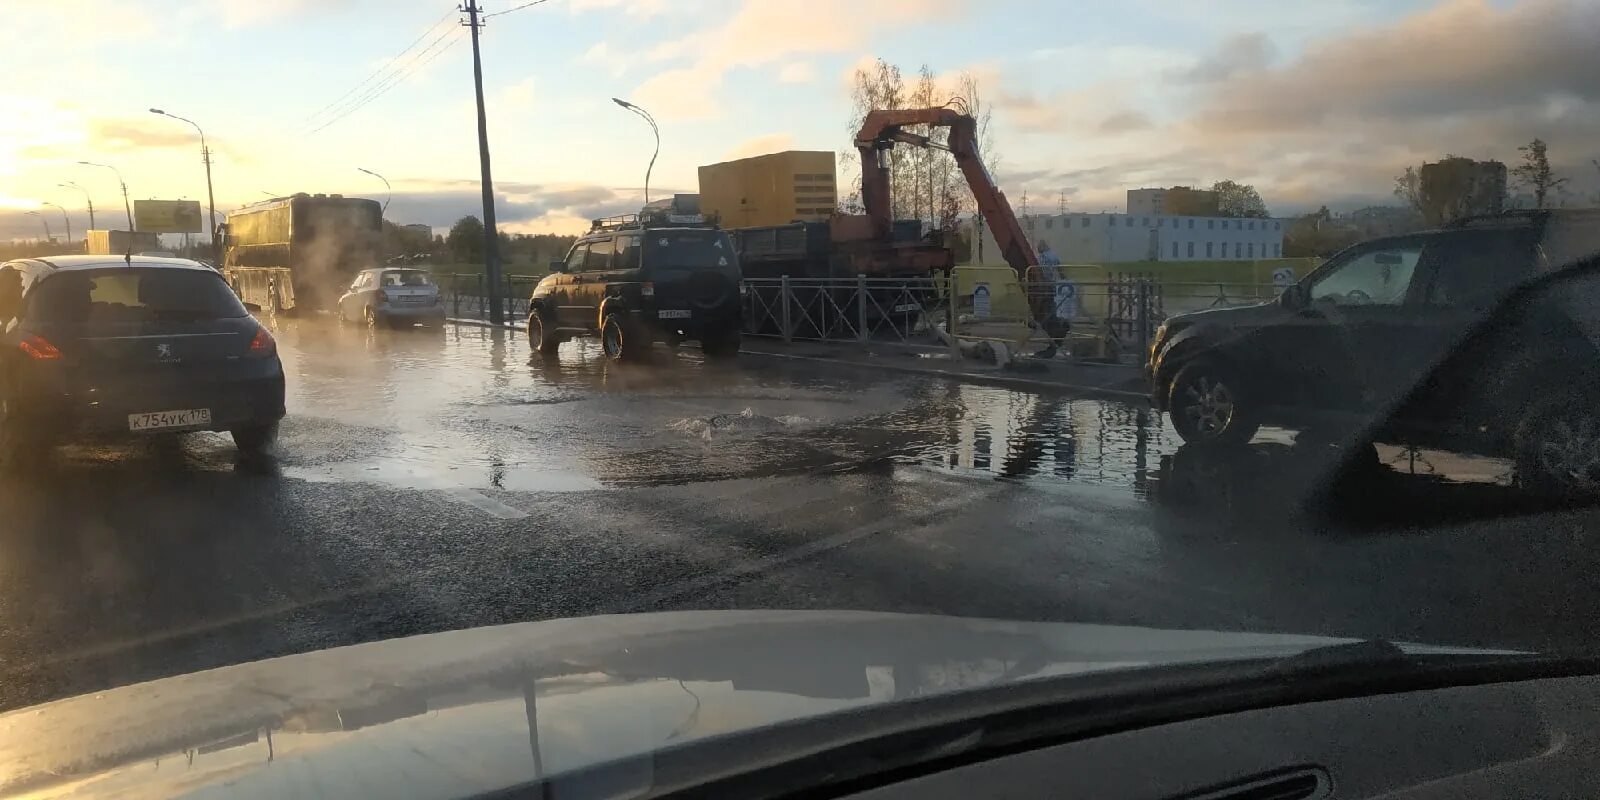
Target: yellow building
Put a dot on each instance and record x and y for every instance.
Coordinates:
(773, 189)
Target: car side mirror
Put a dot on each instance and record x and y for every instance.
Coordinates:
(558, 266)
(252, 308)
(1295, 297)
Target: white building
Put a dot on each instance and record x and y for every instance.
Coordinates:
(1106, 238)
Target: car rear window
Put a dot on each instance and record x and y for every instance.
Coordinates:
(690, 248)
(406, 277)
(134, 295)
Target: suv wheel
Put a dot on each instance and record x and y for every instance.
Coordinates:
(1558, 449)
(1209, 405)
(721, 344)
(543, 339)
(255, 439)
(620, 339)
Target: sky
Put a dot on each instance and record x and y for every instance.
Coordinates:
(1313, 103)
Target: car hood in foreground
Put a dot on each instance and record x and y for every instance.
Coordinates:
(458, 713)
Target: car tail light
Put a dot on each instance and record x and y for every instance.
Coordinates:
(647, 289)
(383, 296)
(263, 344)
(38, 348)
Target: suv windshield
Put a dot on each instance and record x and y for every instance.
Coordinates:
(689, 250)
(115, 296)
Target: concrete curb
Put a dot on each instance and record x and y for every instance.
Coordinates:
(970, 377)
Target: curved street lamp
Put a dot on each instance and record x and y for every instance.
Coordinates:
(653, 129)
(386, 188)
(64, 218)
(211, 199)
(128, 209)
(89, 201)
(48, 237)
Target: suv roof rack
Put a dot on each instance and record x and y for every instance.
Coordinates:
(654, 218)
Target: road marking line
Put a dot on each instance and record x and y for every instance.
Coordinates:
(487, 505)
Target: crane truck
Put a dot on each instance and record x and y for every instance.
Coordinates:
(874, 244)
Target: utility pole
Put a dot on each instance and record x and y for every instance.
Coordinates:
(87, 199)
(211, 200)
(127, 208)
(64, 218)
(491, 243)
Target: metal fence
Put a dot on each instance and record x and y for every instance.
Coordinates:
(466, 295)
(861, 309)
(1110, 319)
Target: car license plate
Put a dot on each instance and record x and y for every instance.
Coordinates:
(674, 313)
(159, 420)
(903, 307)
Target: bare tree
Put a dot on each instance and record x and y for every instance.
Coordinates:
(879, 86)
(1408, 187)
(1535, 174)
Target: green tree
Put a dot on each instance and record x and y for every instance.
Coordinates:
(1238, 200)
(1534, 172)
(465, 240)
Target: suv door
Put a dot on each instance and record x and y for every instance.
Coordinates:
(1335, 354)
(564, 287)
(589, 286)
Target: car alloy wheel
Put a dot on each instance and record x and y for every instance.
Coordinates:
(1209, 404)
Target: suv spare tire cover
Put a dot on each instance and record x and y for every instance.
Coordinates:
(709, 289)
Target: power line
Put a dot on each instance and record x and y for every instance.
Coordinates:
(417, 62)
(352, 90)
(514, 8)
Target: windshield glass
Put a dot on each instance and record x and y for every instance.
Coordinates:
(1215, 331)
(133, 295)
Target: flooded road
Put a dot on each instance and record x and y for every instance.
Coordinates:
(430, 480)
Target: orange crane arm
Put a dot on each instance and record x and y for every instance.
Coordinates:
(882, 129)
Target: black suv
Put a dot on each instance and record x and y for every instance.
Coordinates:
(1387, 340)
(633, 282)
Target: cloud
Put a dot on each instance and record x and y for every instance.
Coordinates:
(797, 72)
(761, 145)
(116, 135)
(520, 93)
(1240, 54)
(633, 8)
(1125, 121)
(518, 206)
(250, 13)
(1460, 58)
(767, 32)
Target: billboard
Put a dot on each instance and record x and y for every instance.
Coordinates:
(167, 216)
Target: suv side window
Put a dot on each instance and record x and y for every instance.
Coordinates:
(627, 256)
(600, 255)
(1470, 270)
(1376, 276)
(578, 258)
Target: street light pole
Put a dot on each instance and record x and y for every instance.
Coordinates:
(126, 206)
(653, 129)
(47, 235)
(491, 237)
(64, 218)
(211, 199)
(386, 188)
(89, 201)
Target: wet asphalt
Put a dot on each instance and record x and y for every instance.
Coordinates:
(437, 479)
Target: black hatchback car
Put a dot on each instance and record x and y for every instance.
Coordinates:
(1383, 340)
(634, 282)
(136, 346)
